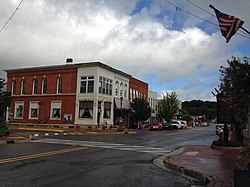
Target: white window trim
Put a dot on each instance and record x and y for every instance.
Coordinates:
(13, 91)
(33, 86)
(57, 86)
(43, 81)
(87, 79)
(51, 110)
(19, 103)
(23, 87)
(35, 107)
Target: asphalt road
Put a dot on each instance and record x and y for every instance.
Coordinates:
(97, 160)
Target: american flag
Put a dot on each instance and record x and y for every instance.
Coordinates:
(228, 24)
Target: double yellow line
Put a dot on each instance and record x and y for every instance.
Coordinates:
(27, 157)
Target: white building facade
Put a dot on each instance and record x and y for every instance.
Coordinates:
(100, 89)
(152, 101)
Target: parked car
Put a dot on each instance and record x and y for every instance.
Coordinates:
(156, 126)
(183, 124)
(204, 124)
(166, 125)
(219, 127)
(175, 124)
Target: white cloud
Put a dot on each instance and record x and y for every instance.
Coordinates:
(45, 32)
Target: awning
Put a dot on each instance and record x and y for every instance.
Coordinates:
(125, 104)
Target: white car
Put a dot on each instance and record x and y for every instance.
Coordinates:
(204, 124)
(183, 124)
(175, 124)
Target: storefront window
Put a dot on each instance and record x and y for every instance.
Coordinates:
(86, 109)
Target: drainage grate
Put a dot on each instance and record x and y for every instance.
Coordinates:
(199, 183)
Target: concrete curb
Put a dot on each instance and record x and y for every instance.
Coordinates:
(204, 179)
(14, 141)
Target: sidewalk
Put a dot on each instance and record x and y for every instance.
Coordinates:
(13, 138)
(214, 167)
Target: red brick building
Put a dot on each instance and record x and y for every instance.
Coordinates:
(89, 94)
(137, 89)
(43, 94)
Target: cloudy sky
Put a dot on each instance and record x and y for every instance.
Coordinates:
(152, 40)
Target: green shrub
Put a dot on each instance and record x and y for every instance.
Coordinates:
(4, 129)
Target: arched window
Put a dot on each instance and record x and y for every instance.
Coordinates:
(35, 86)
(116, 88)
(13, 87)
(125, 91)
(121, 89)
(44, 86)
(59, 85)
(23, 87)
(130, 94)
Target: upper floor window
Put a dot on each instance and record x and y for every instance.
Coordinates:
(130, 94)
(105, 86)
(121, 89)
(125, 91)
(44, 86)
(116, 88)
(35, 86)
(87, 84)
(23, 87)
(59, 85)
(13, 87)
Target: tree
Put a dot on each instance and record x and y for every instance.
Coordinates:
(4, 102)
(142, 109)
(200, 108)
(169, 105)
(235, 81)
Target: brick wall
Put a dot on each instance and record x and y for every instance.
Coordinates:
(67, 97)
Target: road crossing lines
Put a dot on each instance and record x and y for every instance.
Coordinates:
(53, 134)
(107, 145)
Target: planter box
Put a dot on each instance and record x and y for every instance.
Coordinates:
(225, 144)
(2, 134)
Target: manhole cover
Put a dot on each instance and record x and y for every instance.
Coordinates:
(191, 153)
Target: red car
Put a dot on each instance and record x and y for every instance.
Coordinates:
(157, 126)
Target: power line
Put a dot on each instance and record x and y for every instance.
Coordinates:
(176, 7)
(11, 17)
(212, 15)
(200, 8)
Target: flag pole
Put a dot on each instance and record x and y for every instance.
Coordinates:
(211, 6)
(245, 30)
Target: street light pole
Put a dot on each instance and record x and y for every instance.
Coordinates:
(121, 101)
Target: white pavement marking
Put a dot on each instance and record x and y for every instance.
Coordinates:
(107, 145)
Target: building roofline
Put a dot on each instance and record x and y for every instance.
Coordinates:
(139, 80)
(69, 66)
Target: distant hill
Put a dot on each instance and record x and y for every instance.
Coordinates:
(199, 108)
